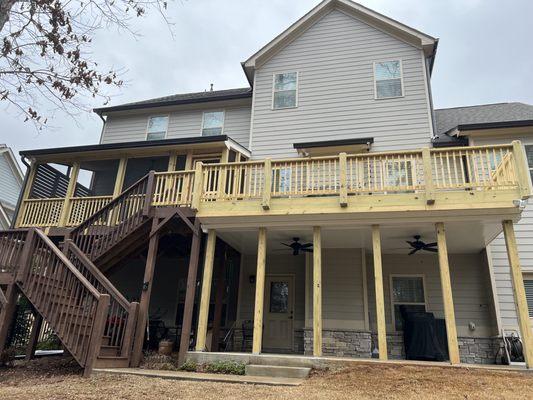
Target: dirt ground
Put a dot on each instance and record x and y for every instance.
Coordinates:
(60, 379)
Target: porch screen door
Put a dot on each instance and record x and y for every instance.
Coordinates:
(278, 313)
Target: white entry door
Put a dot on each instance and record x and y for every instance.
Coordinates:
(278, 312)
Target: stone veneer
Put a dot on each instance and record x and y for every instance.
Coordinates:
(359, 344)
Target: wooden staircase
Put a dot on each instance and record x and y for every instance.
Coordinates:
(95, 323)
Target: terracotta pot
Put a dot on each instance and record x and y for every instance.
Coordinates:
(165, 347)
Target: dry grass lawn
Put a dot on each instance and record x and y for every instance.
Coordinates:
(61, 380)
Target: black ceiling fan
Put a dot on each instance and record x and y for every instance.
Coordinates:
(298, 247)
(420, 245)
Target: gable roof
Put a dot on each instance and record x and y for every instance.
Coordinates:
(371, 17)
(451, 121)
(181, 98)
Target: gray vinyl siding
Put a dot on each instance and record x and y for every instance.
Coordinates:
(9, 184)
(524, 236)
(470, 289)
(182, 124)
(334, 60)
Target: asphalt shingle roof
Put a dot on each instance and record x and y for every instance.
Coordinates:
(449, 118)
(182, 98)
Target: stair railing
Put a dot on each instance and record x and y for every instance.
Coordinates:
(11, 245)
(123, 215)
(74, 309)
(122, 315)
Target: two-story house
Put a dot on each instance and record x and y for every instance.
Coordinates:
(326, 210)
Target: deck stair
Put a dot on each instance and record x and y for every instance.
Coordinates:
(93, 320)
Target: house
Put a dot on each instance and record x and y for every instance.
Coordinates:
(319, 211)
(11, 180)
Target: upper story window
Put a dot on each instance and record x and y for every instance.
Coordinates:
(529, 154)
(285, 90)
(388, 81)
(213, 123)
(157, 128)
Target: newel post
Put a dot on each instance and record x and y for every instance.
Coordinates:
(197, 188)
(267, 189)
(343, 171)
(97, 333)
(25, 257)
(428, 176)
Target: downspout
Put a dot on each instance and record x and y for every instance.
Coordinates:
(103, 127)
(19, 201)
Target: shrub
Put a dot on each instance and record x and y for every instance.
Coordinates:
(7, 357)
(189, 366)
(225, 367)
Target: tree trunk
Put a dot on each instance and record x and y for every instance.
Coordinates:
(5, 8)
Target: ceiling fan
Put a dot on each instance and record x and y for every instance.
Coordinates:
(417, 245)
(298, 247)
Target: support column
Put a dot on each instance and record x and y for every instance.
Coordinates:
(119, 180)
(71, 191)
(219, 298)
(519, 292)
(380, 299)
(190, 293)
(144, 303)
(206, 290)
(317, 291)
(449, 313)
(259, 291)
(34, 335)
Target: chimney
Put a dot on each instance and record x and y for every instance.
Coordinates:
(211, 88)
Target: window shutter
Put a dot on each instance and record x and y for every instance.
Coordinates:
(528, 284)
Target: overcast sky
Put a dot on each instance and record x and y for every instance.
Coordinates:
(484, 54)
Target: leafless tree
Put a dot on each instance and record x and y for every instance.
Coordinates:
(45, 52)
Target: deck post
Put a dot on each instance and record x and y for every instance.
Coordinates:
(71, 191)
(26, 193)
(449, 313)
(190, 293)
(206, 290)
(119, 180)
(428, 176)
(317, 291)
(219, 297)
(7, 313)
(224, 158)
(522, 170)
(259, 291)
(343, 171)
(267, 189)
(519, 292)
(34, 335)
(198, 186)
(144, 303)
(380, 299)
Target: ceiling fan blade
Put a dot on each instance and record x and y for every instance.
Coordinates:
(303, 246)
(285, 244)
(430, 249)
(432, 244)
(412, 252)
(307, 250)
(412, 244)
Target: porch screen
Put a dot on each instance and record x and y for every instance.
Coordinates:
(407, 291)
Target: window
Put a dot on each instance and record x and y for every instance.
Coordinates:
(406, 291)
(157, 128)
(529, 154)
(528, 284)
(388, 79)
(279, 297)
(285, 90)
(213, 123)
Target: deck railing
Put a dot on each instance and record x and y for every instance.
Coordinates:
(479, 168)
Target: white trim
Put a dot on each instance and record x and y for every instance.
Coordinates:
(425, 69)
(365, 288)
(12, 161)
(223, 111)
(375, 81)
(493, 288)
(295, 90)
(148, 124)
(4, 217)
(392, 302)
